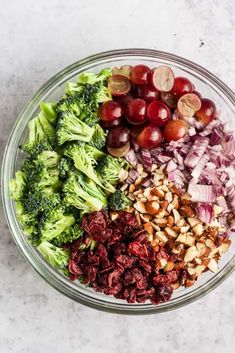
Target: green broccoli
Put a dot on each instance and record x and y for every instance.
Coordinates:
(70, 234)
(41, 135)
(71, 128)
(49, 111)
(40, 200)
(99, 137)
(27, 220)
(43, 171)
(118, 201)
(54, 222)
(65, 166)
(109, 168)
(85, 159)
(91, 78)
(17, 185)
(82, 195)
(57, 257)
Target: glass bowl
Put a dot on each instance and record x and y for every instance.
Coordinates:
(205, 82)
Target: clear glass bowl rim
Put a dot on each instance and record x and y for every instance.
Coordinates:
(52, 276)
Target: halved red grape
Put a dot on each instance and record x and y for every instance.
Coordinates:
(150, 137)
(181, 86)
(207, 112)
(119, 85)
(147, 93)
(139, 74)
(110, 124)
(175, 130)
(188, 104)
(124, 100)
(162, 78)
(119, 152)
(136, 111)
(118, 137)
(198, 94)
(158, 113)
(110, 111)
(124, 70)
(170, 99)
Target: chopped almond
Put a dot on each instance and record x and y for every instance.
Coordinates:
(161, 236)
(131, 188)
(169, 266)
(170, 221)
(139, 168)
(160, 221)
(175, 285)
(199, 269)
(152, 207)
(123, 174)
(139, 206)
(145, 217)
(190, 254)
(176, 215)
(193, 221)
(186, 211)
(113, 215)
(180, 222)
(137, 216)
(175, 201)
(189, 282)
(149, 228)
(217, 209)
(170, 232)
(213, 266)
(198, 229)
(157, 191)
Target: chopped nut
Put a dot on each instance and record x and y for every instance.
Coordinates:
(190, 241)
(176, 215)
(184, 229)
(210, 244)
(164, 204)
(123, 174)
(168, 196)
(157, 191)
(138, 181)
(124, 187)
(137, 216)
(180, 223)
(160, 221)
(161, 236)
(175, 285)
(150, 237)
(145, 217)
(181, 238)
(147, 193)
(139, 168)
(152, 207)
(161, 263)
(199, 269)
(170, 232)
(131, 188)
(170, 207)
(139, 206)
(198, 229)
(198, 261)
(154, 167)
(190, 254)
(113, 215)
(161, 213)
(193, 221)
(189, 282)
(170, 221)
(191, 271)
(149, 228)
(186, 211)
(175, 201)
(213, 266)
(223, 248)
(169, 266)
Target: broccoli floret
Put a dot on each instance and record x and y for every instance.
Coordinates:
(54, 222)
(55, 256)
(70, 234)
(65, 166)
(27, 220)
(41, 135)
(85, 159)
(109, 168)
(118, 201)
(37, 201)
(49, 111)
(92, 78)
(43, 171)
(82, 195)
(99, 137)
(17, 185)
(71, 128)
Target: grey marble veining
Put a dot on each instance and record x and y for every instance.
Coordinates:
(38, 38)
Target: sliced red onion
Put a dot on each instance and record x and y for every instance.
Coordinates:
(192, 131)
(209, 128)
(147, 182)
(133, 175)
(222, 203)
(131, 157)
(228, 148)
(230, 194)
(205, 212)
(147, 160)
(171, 165)
(177, 177)
(163, 158)
(196, 172)
(196, 151)
(201, 193)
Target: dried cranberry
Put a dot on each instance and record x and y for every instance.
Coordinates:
(90, 274)
(146, 266)
(101, 250)
(93, 260)
(138, 250)
(74, 268)
(113, 290)
(125, 261)
(113, 277)
(164, 292)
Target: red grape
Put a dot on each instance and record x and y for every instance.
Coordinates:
(124, 70)
(139, 74)
(175, 130)
(110, 124)
(147, 93)
(162, 78)
(188, 104)
(110, 111)
(170, 99)
(182, 86)
(124, 100)
(136, 111)
(119, 85)
(158, 113)
(150, 137)
(207, 112)
(198, 94)
(119, 152)
(118, 137)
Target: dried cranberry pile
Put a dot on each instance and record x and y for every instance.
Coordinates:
(123, 262)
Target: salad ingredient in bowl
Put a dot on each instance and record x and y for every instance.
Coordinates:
(127, 184)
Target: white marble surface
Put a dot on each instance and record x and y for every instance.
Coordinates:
(38, 38)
